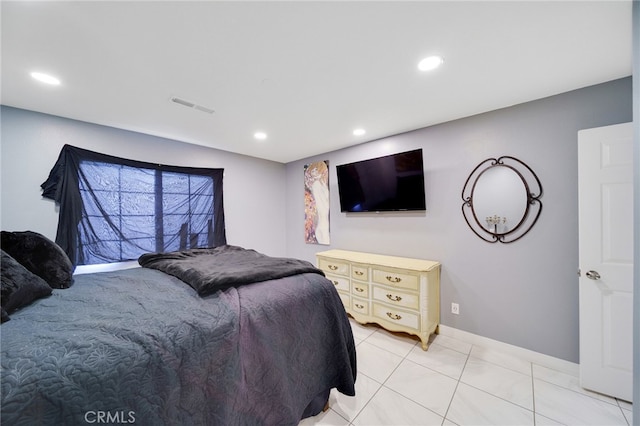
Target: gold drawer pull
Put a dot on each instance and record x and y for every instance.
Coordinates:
(393, 279)
(395, 317)
(360, 290)
(332, 267)
(360, 273)
(336, 283)
(394, 298)
(359, 306)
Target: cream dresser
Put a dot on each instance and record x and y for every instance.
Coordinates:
(399, 293)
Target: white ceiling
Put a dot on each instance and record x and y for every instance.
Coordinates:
(306, 73)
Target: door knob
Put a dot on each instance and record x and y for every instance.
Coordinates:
(593, 275)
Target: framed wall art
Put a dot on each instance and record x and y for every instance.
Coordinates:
(316, 203)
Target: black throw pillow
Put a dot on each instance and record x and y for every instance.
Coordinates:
(19, 287)
(39, 255)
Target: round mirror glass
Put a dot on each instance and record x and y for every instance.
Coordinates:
(499, 199)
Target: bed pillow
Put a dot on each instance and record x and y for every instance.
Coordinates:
(19, 287)
(39, 255)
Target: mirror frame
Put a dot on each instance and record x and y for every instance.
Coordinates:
(533, 208)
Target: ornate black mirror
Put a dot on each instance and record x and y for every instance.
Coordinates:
(501, 199)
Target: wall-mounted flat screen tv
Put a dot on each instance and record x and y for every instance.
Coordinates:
(390, 183)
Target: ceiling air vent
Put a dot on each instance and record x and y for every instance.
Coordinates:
(190, 104)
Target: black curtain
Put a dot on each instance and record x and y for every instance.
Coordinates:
(113, 209)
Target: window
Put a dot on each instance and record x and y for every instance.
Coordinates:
(123, 208)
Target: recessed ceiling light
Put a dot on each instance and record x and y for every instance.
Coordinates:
(260, 136)
(430, 63)
(359, 132)
(45, 78)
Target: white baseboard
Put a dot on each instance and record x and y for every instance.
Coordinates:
(526, 354)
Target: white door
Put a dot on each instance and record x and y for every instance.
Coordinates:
(605, 181)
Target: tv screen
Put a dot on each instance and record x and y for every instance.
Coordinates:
(391, 183)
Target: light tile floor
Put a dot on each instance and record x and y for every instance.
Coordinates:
(457, 383)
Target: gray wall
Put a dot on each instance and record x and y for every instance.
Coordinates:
(31, 142)
(524, 293)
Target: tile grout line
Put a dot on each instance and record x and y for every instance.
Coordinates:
(533, 393)
(624, 416)
(385, 380)
(566, 388)
(533, 377)
(394, 370)
(404, 358)
(487, 392)
(444, 418)
(531, 367)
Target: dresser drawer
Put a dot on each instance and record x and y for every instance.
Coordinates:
(396, 316)
(341, 283)
(395, 297)
(346, 300)
(398, 293)
(360, 272)
(333, 267)
(360, 306)
(360, 289)
(396, 278)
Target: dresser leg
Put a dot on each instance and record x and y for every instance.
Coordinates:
(425, 343)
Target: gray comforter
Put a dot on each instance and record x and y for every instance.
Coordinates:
(139, 346)
(208, 270)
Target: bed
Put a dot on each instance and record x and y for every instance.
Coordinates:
(142, 346)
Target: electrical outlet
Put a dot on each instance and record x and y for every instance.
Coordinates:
(455, 308)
